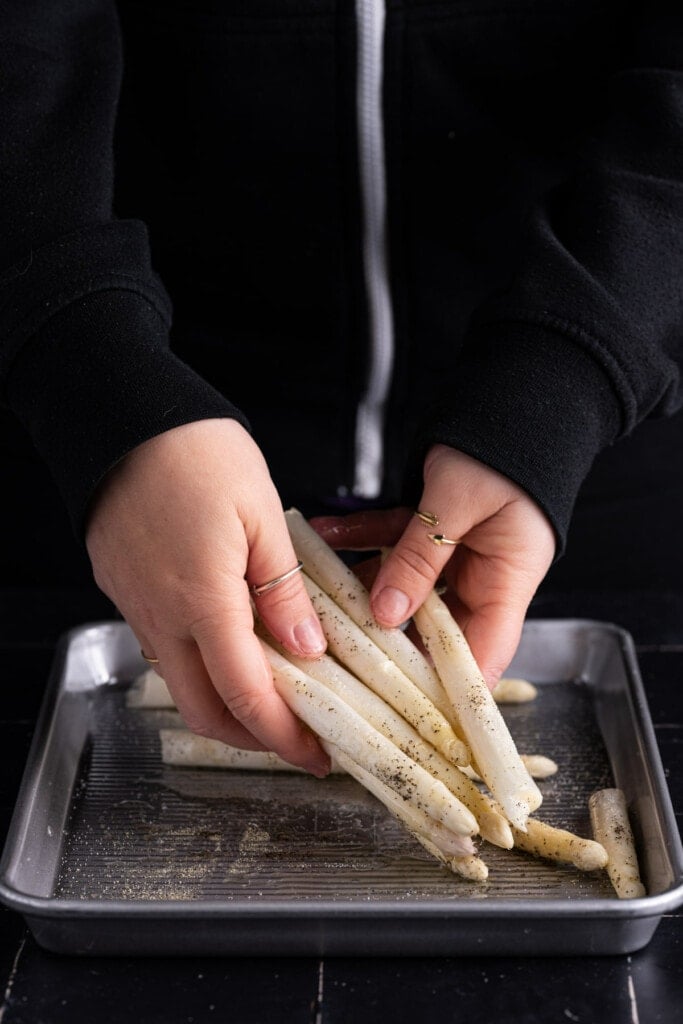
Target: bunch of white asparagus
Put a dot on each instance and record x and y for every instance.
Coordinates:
(414, 735)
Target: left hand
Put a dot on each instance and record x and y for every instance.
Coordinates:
(505, 547)
(177, 532)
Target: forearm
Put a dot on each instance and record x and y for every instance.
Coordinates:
(84, 348)
(584, 341)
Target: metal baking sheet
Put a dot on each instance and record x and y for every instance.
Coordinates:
(111, 852)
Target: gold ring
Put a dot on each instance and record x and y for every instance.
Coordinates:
(428, 518)
(150, 661)
(263, 588)
(438, 538)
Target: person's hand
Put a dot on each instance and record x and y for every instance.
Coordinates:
(505, 547)
(176, 534)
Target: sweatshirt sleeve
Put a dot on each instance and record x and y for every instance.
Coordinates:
(84, 356)
(587, 340)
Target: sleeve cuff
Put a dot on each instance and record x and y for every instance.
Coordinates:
(97, 380)
(532, 405)
(113, 255)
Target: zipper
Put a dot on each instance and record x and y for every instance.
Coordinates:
(370, 415)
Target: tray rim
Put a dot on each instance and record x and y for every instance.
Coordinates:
(52, 907)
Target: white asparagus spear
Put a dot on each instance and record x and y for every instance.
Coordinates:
(537, 765)
(493, 749)
(415, 819)
(551, 843)
(514, 691)
(324, 566)
(180, 747)
(150, 691)
(185, 748)
(611, 827)
(472, 868)
(385, 719)
(334, 721)
(358, 652)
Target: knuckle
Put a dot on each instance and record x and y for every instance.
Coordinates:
(281, 597)
(203, 626)
(247, 705)
(208, 626)
(414, 562)
(435, 457)
(100, 578)
(202, 726)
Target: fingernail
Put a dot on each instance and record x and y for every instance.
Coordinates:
(491, 679)
(391, 605)
(308, 636)
(319, 763)
(320, 768)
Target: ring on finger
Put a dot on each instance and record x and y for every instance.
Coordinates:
(148, 658)
(431, 519)
(263, 588)
(428, 518)
(439, 539)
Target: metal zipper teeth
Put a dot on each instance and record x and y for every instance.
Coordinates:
(369, 453)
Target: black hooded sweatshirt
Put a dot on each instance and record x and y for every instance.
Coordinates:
(533, 155)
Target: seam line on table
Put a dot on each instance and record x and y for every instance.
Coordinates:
(318, 1003)
(659, 648)
(12, 976)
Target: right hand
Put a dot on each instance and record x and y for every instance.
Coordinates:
(177, 532)
(505, 545)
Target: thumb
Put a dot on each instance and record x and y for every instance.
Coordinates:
(459, 493)
(408, 574)
(421, 553)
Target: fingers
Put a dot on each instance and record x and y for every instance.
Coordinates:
(194, 608)
(416, 562)
(493, 636)
(286, 609)
(223, 688)
(199, 704)
(363, 531)
(238, 670)
(493, 628)
(503, 547)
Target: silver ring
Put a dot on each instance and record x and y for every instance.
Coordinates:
(263, 588)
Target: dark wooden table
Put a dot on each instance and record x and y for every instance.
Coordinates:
(41, 988)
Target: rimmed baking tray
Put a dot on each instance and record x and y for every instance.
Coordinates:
(111, 852)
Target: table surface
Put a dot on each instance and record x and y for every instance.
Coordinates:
(42, 987)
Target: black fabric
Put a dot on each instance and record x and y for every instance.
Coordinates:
(99, 406)
(535, 184)
(84, 362)
(532, 407)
